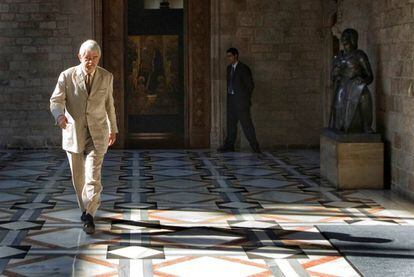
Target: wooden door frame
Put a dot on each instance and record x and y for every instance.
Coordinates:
(197, 77)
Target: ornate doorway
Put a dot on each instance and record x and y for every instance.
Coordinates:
(163, 99)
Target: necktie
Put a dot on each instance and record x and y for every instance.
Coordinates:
(88, 82)
(231, 80)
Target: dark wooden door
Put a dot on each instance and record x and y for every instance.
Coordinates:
(185, 123)
(155, 96)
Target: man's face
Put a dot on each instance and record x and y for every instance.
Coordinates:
(231, 59)
(89, 60)
(346, 43)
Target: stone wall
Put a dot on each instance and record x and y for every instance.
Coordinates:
(38, 39)
(390, 34)
(394, 31)
(281, 41)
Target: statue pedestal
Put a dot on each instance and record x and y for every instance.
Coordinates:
(352, 161)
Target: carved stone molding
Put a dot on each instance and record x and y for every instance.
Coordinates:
(338, 10)
(217, 99)
(113, 57)
(198, 72)
(330, 8)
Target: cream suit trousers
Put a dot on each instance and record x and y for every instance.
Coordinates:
(86, 176)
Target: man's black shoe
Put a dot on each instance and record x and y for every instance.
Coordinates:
(225, 149)
(256, 149)
(83, 216)
(89, 226)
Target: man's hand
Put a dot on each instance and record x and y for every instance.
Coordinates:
(112, 138)
(62, 121)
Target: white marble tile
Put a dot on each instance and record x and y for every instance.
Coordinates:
(182, 197)
(178, 184)
(281, 196)
(253, 224)
(14, 184)
(239, 205)
(68, 238)
(169, 155)
(175, 172)
(244, 162)
(104, 197)
(6, 251)
(135, 252)
(254, 171)
(339, 265)
(267, 183)
(273, 252)
(211, 266)
(343, 204)
(63, 266)
(172, 163)
(237, 155)
(199, 237)
(234, 252)
(21, 172)
(6, 197)
(31, 163)
(19, 225)
(34, 205)
(190, 216)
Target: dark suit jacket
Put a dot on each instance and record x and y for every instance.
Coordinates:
(243, 84)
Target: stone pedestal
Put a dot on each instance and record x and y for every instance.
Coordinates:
(352, 161)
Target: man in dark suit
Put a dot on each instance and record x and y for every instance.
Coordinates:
(239, 92)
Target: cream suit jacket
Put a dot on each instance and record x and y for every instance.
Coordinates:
(95, 111)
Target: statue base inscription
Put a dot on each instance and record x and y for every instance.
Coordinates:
(352, 161)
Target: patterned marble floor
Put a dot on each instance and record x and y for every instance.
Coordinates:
(181, 213)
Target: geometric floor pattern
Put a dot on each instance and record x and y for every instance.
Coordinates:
(181, 213)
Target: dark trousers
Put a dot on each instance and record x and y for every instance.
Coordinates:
(239, 112)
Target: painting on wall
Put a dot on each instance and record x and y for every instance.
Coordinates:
(153, 75)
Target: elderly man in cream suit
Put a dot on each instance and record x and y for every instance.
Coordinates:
(83, 106)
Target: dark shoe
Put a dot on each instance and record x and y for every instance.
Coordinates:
(256, 149)
(89, 226)
(225, 149)
(83, 216)
(368, 130)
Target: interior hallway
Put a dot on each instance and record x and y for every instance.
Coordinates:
(182, 213)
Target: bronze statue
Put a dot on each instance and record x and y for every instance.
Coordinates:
(352, 110)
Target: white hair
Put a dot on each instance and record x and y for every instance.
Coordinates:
(90, 45)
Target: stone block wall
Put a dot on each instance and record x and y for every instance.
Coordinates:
(393, 26)
(38, 39)
(388, 27)
(281, 41)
